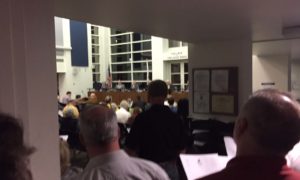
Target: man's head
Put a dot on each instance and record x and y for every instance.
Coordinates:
(93, 96)
(68, 93)
(13, 151)
(124, 104)
(269, 122)
(157, 92)
(99, 127)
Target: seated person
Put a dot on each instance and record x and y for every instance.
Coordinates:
(93, 99)
(99, 129)
(171, 103)
(123, 113)
(68, 172)
(120, 86)
(14, 152)
(135, 86)
(267, 127)
(70, 110)
(97, 86)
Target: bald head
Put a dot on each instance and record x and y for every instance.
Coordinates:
(98, 125)
(272, 120)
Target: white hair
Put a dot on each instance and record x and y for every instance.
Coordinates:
(124, 104)
(98, 125)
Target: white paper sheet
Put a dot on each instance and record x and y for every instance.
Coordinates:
(230, 146)
(219, 81)
(293, 157)
(197, 166)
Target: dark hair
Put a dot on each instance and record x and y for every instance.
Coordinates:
(183, 108)
(13, 151)
(78, 96)
(157, 88)
(171, 101)
(68, 92)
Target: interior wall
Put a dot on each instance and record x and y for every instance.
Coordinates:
(235, 53)
(78, 80)
(295, 80)
(157, 58)
(27, 75)
(270, 69)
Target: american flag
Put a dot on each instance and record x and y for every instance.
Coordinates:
(109, 78)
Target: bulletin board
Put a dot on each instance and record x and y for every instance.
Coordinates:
(215, 90)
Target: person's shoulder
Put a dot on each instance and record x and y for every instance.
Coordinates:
(151, 168)
(96, 173)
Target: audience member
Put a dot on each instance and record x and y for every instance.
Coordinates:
(97, 86)
(68, 172)
(93, 99)
(139, 103)
(123, 113)
(157, 134)
(108, 101)
(114, 106)
(120, 86)
(135, 112)
(66, 98)
(170, 86)
(70, 110)
(135, 86)
(267, 127)
(130, 102)
(13, 151)
(171, 103)
(183, 108)
(78, 97)
(99, 130)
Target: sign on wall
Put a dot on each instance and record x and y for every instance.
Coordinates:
(176, 53)
(215, 90)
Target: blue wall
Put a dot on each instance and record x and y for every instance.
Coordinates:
(79, 43)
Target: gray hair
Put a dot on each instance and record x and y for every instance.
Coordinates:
(98, 125)
(124, 104)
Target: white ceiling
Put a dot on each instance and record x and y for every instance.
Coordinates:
(188, 20)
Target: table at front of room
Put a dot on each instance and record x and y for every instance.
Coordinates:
(117, 97)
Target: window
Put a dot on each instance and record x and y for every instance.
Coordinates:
(174, 43)
(142, 56)
(121, 67)
(139, 37)
(120, 58)
(139, 66)
(95, 52)
(139, 76)
(121, 48)
(131, 56)
(121, 76)
(120, 39)
(179, 75)
(142, 46)
(116, 31)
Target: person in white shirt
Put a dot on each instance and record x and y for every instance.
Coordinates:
(123, 114)
(99, 132)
